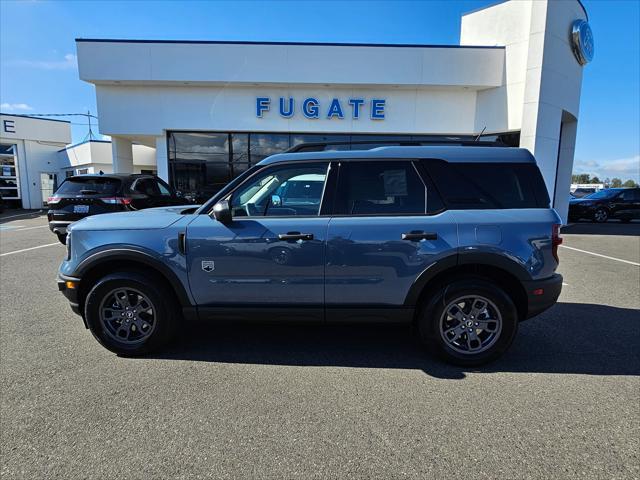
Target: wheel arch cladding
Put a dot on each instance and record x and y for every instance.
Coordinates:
(106, 262)
(508, 279)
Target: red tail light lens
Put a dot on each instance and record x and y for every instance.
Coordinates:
(556, 240)
(116, 200)
(53, 200)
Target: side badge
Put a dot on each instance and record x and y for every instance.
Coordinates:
(208, 265)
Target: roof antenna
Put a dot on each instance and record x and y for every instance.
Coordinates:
(480, 134)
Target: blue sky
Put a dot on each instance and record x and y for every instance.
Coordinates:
(38, 71)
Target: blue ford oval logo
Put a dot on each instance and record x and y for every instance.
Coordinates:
(582, 41)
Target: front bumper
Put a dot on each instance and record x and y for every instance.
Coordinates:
(64, 283)
(542, 294)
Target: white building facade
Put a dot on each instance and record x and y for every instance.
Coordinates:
(212, 109)
(29, 158)
(94, 156)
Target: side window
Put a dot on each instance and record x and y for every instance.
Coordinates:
(489, 185)
(164, 190)
(379, 187)
(146, 186)
(281, 191)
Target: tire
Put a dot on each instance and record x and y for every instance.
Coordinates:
(601, 215)
(62, 238)
(432, 315)
(156, 323)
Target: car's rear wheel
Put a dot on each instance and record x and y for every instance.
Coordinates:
(601, 215)
(130, 313)
(468, 322)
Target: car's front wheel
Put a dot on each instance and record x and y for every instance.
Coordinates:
(601, 215)
(468, 322)
(130, 313)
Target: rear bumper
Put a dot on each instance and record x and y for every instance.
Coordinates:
(59, 226)
(70, 293)
(542, 294)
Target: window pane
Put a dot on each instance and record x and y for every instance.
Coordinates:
(262, 145)
(489, 186)
(164, 191)
(96, 185)
(367, 188)
(282, 191)
(240, 147)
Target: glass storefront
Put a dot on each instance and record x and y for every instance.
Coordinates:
(201, 163)
(9, 175)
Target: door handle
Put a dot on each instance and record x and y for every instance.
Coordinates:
(415, 236)
(295, 236)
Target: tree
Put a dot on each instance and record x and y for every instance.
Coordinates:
(580, 178)
(595, 180)
(616, 183)
(629, 183)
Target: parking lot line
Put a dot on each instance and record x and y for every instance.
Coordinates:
(603, 256)
(20, 228)
(32, 248)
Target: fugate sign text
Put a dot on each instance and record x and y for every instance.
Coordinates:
(312, 108)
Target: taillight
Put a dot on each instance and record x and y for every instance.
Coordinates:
(53, 200)
(556, 240)
(117, 200)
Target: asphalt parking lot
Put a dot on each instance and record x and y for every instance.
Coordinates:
(323, 402)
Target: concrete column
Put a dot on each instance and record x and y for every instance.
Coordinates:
(122, 155)
(162, 158)
(567, 148)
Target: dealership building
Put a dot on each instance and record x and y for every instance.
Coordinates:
(211, 109)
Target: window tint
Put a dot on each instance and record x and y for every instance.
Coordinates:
(489, 185)
(164, 191)
(147, 186)
(281, 191)
(89, 186)
(630, 195)
(368, 188)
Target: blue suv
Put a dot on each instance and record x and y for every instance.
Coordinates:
(458, 241)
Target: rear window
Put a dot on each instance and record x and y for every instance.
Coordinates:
(89, 186)
(467, 186)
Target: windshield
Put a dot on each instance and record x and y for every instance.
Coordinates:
(602, 194)
(89, 186)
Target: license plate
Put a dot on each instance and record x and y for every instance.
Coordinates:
(81, 209)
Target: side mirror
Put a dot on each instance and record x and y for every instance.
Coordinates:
(222, 211)
(276, 201)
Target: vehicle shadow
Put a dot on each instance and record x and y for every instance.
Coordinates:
(609, 228)
(20, 214)
(569, 338)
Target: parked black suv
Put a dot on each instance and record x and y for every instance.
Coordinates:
(84, 195)
(622, 203)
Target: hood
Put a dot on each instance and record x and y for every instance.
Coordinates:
(148, 219)
(581, 200)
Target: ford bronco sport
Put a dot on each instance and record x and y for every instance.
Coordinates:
(458, 241)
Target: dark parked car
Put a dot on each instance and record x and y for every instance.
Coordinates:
(621, 203)
(84, 195)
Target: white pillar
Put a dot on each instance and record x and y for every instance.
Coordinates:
(122, 155)
(162, 158)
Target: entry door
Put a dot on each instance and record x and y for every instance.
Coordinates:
(380, 238)
(272, 253)
(48, 185)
